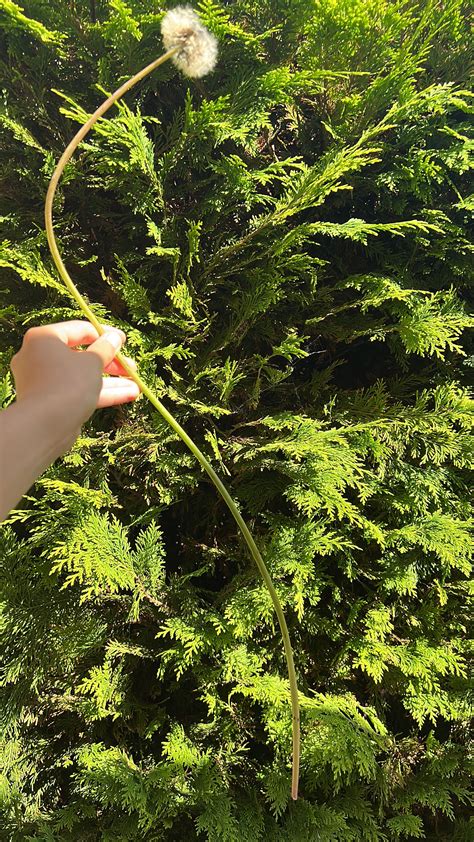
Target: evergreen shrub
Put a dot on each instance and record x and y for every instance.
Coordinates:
(286, 245)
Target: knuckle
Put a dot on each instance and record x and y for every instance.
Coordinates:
(31, 333)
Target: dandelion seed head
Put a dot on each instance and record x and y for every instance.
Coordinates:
(182, 28)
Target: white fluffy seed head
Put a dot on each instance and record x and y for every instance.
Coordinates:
(182, 28)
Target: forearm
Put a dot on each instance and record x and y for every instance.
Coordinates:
(29, 443)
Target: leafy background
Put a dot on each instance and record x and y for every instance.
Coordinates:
(286, 245)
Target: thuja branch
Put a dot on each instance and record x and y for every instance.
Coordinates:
(307, 189)
(194, 50)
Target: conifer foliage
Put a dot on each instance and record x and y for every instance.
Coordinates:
(286, 245)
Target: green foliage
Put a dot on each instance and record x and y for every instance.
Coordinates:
(286, 244)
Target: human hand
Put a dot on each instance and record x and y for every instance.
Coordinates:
(68, 383)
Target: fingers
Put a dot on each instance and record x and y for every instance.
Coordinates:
(117, 390)
(100, 355)
(72, 333)
(83, 333)
(106, 346)
(116, 368)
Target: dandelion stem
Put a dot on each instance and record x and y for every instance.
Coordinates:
(205, 464)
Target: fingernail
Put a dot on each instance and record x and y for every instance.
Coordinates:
(115, 339)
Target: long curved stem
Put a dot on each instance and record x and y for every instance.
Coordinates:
(205, 464)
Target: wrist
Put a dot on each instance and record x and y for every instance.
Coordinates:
(50, 424)
(30, 441)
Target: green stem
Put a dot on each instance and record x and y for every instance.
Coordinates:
(205, 464)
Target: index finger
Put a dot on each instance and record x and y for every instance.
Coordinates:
(72, 333)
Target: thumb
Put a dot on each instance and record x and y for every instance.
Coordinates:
(107, 345)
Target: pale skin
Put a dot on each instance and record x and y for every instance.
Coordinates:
(58, 387)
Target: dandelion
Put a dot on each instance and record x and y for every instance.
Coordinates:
(194, 51)
(197, 53)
